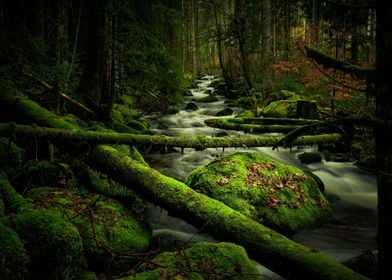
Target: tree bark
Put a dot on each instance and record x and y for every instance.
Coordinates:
(266, 48)
(196, 142)
(272, 249)
(384, 137)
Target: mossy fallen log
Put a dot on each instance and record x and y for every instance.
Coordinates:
(268, 121)
(274, 250)
(250, 127)
(329, 62)
(197, 142)
(270, 248)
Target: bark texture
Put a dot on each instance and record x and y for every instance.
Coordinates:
(196, 142)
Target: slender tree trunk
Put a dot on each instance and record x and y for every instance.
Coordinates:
(195, 23)
(239, 30)
(286, 29)
(315, 21)
(219, 39)
(266, 48)
(384, 137)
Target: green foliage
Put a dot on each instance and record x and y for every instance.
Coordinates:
(291, 84)
(13, 255)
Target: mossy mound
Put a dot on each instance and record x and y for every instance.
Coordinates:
(203, 260)
(46, 173)
(108, 230)
(2, 208)
(54, 244)
(13, 255)
(291, 109)
(280, 196)
(365, 264)
(309, 157)
(11, 156)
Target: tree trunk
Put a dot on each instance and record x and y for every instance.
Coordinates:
(196, 142)
(266, 48)
(262, 244)
(315, 21)
(384, 137)
(239, 31)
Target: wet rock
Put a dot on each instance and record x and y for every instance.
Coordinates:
(225, 112)
(309, 157)
(191, 106)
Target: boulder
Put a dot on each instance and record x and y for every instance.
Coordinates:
(280, 196)
(292, 109)
(203, 260)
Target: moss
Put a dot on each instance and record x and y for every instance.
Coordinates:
(309, 157)
(108, 230)
(54, 244)
(2, 207)
(11, 157)
(246, 114)
(365, 263)
(281, 109)
(203, 260)
(13, 256)
(280, 196)
(46, 173)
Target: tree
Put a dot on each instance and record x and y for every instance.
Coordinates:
(266, 47)
(384, 136)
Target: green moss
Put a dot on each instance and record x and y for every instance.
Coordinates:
(53, 243)
(281, 109)
(46, 173)
(280, 196)
(108, 230)
(203, 260)
(2, 207)
(11, 156)
(246, 114)
(309, 157)
(13, 256)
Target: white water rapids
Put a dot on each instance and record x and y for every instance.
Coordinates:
(353, 193)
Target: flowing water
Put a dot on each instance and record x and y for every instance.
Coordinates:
(352, 193)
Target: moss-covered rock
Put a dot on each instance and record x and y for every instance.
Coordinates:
(203, 260)
(246, 114)
(280, 196)
(13, 257)
(11, 156)
(291, 109)
(46, 173)
(54, 244)
(309, 157)
(108, 230)
(365, 263)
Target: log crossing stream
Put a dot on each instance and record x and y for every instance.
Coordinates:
(353, 193)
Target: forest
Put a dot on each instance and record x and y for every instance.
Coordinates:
(195, 139)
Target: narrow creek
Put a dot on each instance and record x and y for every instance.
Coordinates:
(353, 193)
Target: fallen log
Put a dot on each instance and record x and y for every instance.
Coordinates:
(196, 142)
(272, 249)
(267, 121)
(250, 127)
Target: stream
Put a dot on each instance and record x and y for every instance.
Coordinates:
(352, 193)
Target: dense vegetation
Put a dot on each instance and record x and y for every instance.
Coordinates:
(103, 65)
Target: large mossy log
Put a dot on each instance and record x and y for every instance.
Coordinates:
(197, 142)
(250, 127)
(274, 250)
